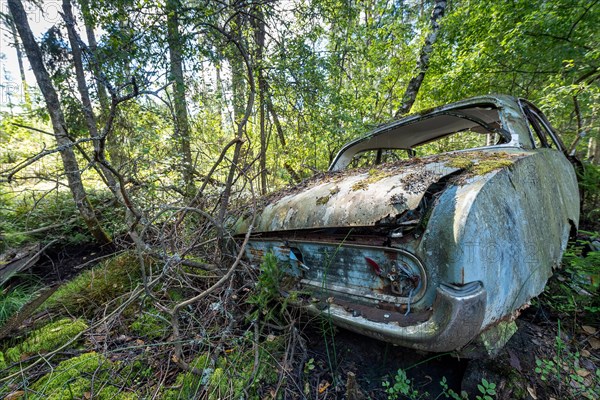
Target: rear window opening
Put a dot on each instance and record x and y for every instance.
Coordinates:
(457, 141)
(418, 136)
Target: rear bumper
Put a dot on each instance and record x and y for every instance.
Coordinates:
(456, 320)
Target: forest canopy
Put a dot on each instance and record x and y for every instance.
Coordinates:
(166, 86)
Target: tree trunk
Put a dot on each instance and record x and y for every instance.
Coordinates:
(410, 95)
(259, 29)
(240, 63)
(295, 177)
(593, 151)
(93, 45)
(67, 154)
(88, 112)
(114, 143)
(181, 123)
(24, 87)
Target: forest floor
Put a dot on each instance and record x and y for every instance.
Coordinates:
(552, 355)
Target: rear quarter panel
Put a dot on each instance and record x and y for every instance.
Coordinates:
(507, 228)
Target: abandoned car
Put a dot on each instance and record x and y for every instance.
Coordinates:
(412, 240)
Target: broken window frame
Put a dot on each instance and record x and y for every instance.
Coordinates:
(542, 128)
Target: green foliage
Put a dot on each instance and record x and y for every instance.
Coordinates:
(589, 181)
(486, 389)
(449, 393)
(401, 386)
(89, 375)
(56, 209)
(46, 338)
(582, 264)
(565, 374)
(98, 287)
(266, 293)
(333, 70)
(572, 292)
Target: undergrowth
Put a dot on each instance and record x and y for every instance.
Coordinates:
(266, 294)
(402, 387)
(14, 297)
(574, 291)
(98, 287)
(246, 370)
(20, 217)
(564, 373)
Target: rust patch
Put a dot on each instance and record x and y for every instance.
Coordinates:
(256, 253)
(386, 313)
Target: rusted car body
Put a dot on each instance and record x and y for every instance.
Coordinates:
(437, 252)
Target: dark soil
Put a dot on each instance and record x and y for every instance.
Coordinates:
(60, 263)
(373, 362)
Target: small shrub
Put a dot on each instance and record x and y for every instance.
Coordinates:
(267, 288)
(486, 389)
(401, 386)
(564, 373)
(572, 292)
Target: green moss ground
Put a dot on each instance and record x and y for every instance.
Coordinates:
(97, 287)
(44, 339)
(89, 375)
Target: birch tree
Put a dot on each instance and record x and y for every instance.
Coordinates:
(412, 90)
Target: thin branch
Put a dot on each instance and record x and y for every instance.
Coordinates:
(24, 164)
(32, 129)
(586, 10)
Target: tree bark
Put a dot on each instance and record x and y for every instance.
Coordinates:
(410, 95)
(240, 61)
(24, 86)
(84, 93)
(593, 151)
(259, 35)
(93, 45)
(71, 167)
(114, 144)
(181, 122)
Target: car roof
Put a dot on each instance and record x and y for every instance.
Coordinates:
(479, 114)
